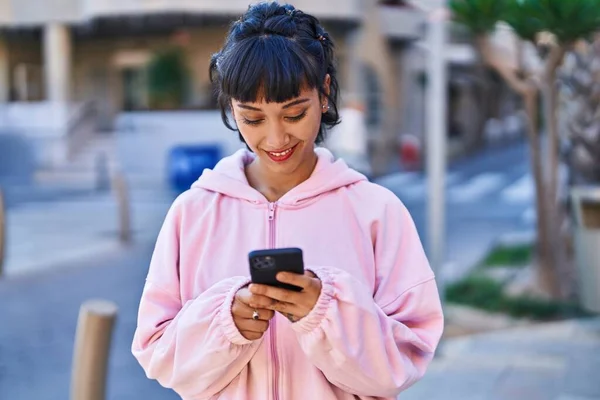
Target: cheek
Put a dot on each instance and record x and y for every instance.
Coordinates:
(310, 127)
(251, 136)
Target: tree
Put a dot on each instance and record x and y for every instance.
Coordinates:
(544, 31)
(167, 78)
(579, 84)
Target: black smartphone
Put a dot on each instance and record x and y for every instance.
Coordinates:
(265, 264)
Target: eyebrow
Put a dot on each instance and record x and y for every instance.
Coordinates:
(288, 105)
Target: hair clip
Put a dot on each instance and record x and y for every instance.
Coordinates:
(321, 38)
(290, 12)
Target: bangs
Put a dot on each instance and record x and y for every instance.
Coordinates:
(268, 68)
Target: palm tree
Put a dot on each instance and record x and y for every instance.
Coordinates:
(544, 31)
(579, 82)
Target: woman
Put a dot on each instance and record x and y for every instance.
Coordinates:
(368, 319)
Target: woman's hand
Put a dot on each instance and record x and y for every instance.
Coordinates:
(294, 305)
(252, 322)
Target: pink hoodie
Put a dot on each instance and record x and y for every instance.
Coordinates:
(375, 326)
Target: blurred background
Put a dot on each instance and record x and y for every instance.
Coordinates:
(107, 114)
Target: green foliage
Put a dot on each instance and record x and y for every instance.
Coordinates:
(478, 291)
(516, 256)
(525, 17)
(167, 78)
(568, 20)
(480, 16)
(487, 294)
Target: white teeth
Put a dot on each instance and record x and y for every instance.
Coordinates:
(281, 154)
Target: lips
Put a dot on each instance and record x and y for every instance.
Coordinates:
(281, 156)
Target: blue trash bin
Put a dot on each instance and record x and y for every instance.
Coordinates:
(186, 163)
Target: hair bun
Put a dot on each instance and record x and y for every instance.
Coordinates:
(272, 53)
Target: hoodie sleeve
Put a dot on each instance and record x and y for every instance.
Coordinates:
(192, 347)
(377, 343)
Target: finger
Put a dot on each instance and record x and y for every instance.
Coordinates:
(242, 310)
(254, 302)
(243, 295)
(291, 317)
(251, 325)
(251, 335)
(272, 292)
(280, 306)
(303, 281)
(258, 302)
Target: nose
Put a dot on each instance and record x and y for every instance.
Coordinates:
(277, 138)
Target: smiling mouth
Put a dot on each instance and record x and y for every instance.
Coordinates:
(283, 153)
(280, 156)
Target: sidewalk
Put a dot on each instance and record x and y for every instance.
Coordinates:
(73, 254)
(547, 362)
(40, 314)
(45, 234)
(558, 361)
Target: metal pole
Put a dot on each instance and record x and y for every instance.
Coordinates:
(436, 139)
(92, 348)
(2, 233)
(121, 192)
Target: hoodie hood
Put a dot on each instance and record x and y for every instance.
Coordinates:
(228, 178)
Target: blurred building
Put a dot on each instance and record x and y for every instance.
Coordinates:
(70, 65)
(70, 68)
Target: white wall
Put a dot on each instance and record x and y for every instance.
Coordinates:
(145, 139)
(29, 12)
(37, 12)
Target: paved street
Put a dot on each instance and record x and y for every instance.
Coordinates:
(47, 233)
(549, 362)
(557, 361)
(15, 195)
(39, 315)
(487, 195)
(50, 275)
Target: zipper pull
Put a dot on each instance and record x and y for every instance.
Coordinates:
(271, 211)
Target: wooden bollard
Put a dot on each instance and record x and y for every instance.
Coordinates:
(2, 233)
(92, 348)
(121, 193)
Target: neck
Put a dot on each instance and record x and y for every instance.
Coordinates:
(274, 185)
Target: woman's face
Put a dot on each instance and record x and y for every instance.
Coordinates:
(282, 135)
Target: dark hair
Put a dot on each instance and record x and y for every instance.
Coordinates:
(273, 52)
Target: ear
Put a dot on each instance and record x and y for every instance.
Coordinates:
(327, 84)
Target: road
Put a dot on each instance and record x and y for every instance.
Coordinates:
(487, 195)
(39, 317)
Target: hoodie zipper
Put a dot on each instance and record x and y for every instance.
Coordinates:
(272, 208)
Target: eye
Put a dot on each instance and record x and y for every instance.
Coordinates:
(297, 118)
(252, 122)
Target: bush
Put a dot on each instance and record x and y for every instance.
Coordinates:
(487, 294)
(167, 79)
(503, 256)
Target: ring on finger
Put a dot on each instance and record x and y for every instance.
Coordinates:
(255, 315)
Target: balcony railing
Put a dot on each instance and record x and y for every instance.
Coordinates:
(402, 23)
(334, 9)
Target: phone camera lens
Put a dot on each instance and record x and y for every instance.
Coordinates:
(263, 262)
